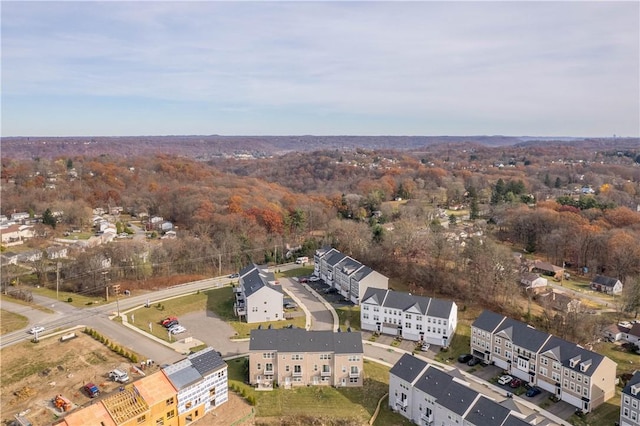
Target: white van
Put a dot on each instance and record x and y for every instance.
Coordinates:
(302, 260)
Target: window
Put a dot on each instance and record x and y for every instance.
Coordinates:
(507, 344)
(407, 316)
(376, 309)
(353, 380)
(170, 414)
(439, 321)
(170, 401)
(578, 389)
(254, 309)
(142, 419)
(376, 318)
(498, 341)
(353, 358)
(585, 391)
(566, 383)
(365, 308)
(286, 368)
(259, 366)
(365, 316)
(544, 361)
(507, 354)
(556, 365)
(428, 329)
(268, 367)
(634, 416)
(407, 325)
(555, 376)
(296, 357)
(297, 369)
(160, 421)
(543, 371)
(419, 326)
(634, 403)
(444, 322)
(496, 350)
(188, 405)
(325, 356)
(418, 317)
(625, 412)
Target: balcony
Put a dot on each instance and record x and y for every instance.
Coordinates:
(237, 290)
(297, 373)
(426, 420)
(354, 374)
(325, 373)
(402, 403)
(268, 372)
(239, 308)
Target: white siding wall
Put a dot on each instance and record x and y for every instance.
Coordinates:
(264, 305)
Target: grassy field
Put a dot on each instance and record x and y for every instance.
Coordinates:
(461, 342)
(77, 300)
(10, 321)
(321, 402)
(627, 362)
(349, 316)
(303, 270)
(606, 414)
(218, 301)
(22, 302)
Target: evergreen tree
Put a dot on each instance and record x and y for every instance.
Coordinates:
(48, 219)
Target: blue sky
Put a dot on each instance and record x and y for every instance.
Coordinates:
(324, 68)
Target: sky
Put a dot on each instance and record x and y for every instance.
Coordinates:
(514, 68)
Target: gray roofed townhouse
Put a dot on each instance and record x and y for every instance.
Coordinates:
(408, 368)
(523, 335)
(565, 351)
(488, 321)
(434, 382)
(457, 398)
(486, 412)
(300, 340)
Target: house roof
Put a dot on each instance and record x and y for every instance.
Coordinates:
(194, 368)
(605, 281)
(94, 414)
(634, 381)
(348, 266)
(457, 398)
(635, 329)
(434, 382)
(404, 301)
(530, 276)
(125, 405)
(207, 361)
(254, 278)
(361, 273)
(300, 340)
(565, 351)
(486, 412)
(334, 257)
(488, 321)
(408, 367)
(515, 421)
(155, 388)
(546, 266)
(523, 335)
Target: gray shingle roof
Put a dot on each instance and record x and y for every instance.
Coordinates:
(404, 301)
(193, 368)
(488, 321)
(635, 380)
(487, 413)
(515, 421)
(408, 368)
(605, 281)
(300, 340)
(434, 382)
(348, 266)
(254, 278)
(457, 398)
(523, 335)
(207, 361)
(565, 351)
(362, 273)
(334, 257)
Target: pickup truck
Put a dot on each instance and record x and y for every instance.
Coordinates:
(91, 390)
(119, 376)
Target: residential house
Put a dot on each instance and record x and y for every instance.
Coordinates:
(606, 285)
(350, 277)
(30, 256)
(628, 331)
(559, 301)
(630, 402)
(534, 282)
(16, 234)
(411, 317)
(295, 357)
(576, 375)
(57, 252)
(9, 258)
(427, 396)
(547, 269)
(201, 382)
(615, 332)
(259, 297)
(19, 216)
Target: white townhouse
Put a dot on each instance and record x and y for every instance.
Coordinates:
(350, 277)
(411, 317)
(583, 378)
(201, 382)
(258, 296)
(630, 402)
(429, 396)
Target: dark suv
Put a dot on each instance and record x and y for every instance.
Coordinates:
(465, 358)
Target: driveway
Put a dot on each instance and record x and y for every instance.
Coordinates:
(321, 318)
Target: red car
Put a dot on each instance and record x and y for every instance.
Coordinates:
(515, 383)
(168, 320)
(91, 390)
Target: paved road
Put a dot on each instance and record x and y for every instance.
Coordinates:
(590, 295)
(321, 318)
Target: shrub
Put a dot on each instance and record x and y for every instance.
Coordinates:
(70, 299)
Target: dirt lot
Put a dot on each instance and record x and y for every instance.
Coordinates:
(32, 374)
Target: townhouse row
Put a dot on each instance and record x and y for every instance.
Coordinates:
(177, 395)
(417, 318)
(581, 377)
(291, 357)
(429, 396)
(630, 402)
(350, 277)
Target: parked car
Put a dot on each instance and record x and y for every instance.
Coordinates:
(168, 320)
(473, 361)
(290, 305)
(533, 392)
(177, 329)
(465, 358)
(118, 376)
(234, 275)
(505, 380)
(303, 280)
(314, 279)
(330, 290)
(425, 347)
(91, 390)
(36, 329)
(171, 323)
(515, 383)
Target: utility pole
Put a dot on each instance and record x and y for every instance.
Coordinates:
(116, 289)
(57, 279)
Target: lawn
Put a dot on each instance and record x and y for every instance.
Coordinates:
(320, 402)
(77, 300)
(461, 342)
(10, 321)
(606, 414)
(218, 301)
(22, 302)
(627, 362)
(303, 270)
(349, 316)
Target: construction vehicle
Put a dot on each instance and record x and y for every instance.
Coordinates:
(62, 403)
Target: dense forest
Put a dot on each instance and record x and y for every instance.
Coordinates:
(400, 211)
